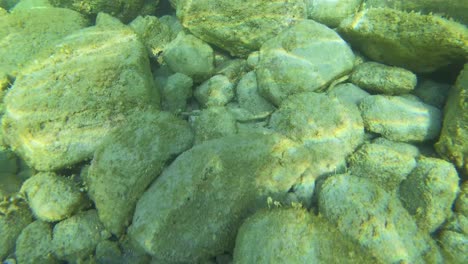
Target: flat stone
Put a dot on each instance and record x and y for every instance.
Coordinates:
(382, 79)
(400, 119)
(238, 26)
(294, 61)
(420, 43)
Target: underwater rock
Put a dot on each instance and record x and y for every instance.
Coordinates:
(348, 93)
(429, 192)
(239, 26)
(192, 211)
(154, 34)
(400, 119)
(432, 93)
(453, 140)
(75, 239)
(175, 93)
(248, 96)
(327, 127)
(34, 245)
(375, 220)
(216, 91)
(191, 56)
(461, 204)
(129, 159)
(453, 239)
(14, 217)
(331, 13)
(62, 106)
(122, 9)
(294, 236)
(303, 58)
(52, 197)
(456, 9)
(8, 161)
(420, 43)
(26, 33)
(379, 78)
(212, 123)
(383, 165)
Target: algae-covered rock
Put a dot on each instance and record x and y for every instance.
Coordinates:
(248, 96)
(239, 26)
(454, 246)
(329, 128)
(432, 93)
(154, 34)
(453, 141)
(34, 245)
(75, 238)
(191, 56)
(129, 159)
(122, 9)
(381, 164)
(456, 9)
(62, 106)
(294, 236)
(14, 216)
(379, 78)
(429, 192)
(294, 61)
(461, 204)
(400, 118)
(52, 197)
(348, 93)
(214, 122)
(175, 93)
(25, 33)
(216, 91)
(192, 211)
(331, 13)
(421, 43)
(375, 220)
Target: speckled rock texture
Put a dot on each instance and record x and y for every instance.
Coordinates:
(124, 10)
(52, 197)
(34, 245)
(379, 78)
(59, 109)
(453, 141)
(331, 13)
(25, 33)
(75, 238)
(456, 9)
(400, 118)
(294, 61)
(239, 26)
(129, 159)
(296, 236)
(429, 192)
(216, 91)
(328, 128)
(381, 164)
(375, 220)
(420, 43)
(191, 211)
(14, 216)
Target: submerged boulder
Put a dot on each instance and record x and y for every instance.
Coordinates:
(62, 106)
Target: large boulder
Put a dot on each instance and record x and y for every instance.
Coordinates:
(192, 211)
(421, 43)
(238, 26)
(453, 141)
(62, 106)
